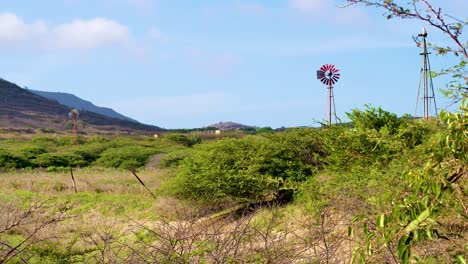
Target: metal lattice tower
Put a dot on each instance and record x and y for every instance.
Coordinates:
(426, 88)
(74, 114)
(329, 75)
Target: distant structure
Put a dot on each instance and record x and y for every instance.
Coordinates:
(426, 88)
(329, 75)
(74, 115)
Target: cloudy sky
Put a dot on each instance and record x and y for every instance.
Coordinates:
(191, 63)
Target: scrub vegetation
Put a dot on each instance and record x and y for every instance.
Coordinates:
(382, 189)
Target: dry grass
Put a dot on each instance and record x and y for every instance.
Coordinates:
(87, 180)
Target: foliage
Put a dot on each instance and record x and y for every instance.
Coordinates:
(46, 160)
(11, 161)
(456, 139)
(374, 118)
(247, 169)
(306, 144)
(184, 140)
(130, 157)
(430, 192)
(264, 130)
(31, 152)
(174, 159)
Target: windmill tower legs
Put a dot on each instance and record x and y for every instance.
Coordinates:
(331, 104)
(425, 83)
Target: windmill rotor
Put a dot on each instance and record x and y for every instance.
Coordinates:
(74, 114)
(328, 74)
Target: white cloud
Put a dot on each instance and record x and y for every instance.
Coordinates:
(14, 30)
(79, 34)
(87, 34)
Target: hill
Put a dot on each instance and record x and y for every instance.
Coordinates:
(74, 101)
(23, 110)
(230, 126)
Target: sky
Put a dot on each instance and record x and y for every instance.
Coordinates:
(192, 63)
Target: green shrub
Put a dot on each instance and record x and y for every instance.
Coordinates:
(97, 139)
(11, 161)
(32, 152)
(174, 159)
(59, 160)
(130, 157)
(45, 142)
(89, 153)
(70, 140)
(307, 144)
(247, 169)
(356, 149)
(184, 140)
(414, 133)
(374, 118)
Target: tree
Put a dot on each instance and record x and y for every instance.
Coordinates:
(435, 17)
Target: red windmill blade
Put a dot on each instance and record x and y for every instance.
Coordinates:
(328, 74)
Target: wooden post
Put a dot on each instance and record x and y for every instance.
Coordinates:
(73, 179)
(142, 183)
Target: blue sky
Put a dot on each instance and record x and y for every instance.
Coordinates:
(191, 63)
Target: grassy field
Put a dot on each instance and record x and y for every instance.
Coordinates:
(391, 193)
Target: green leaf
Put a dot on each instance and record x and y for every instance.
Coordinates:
(461, 259)
(350, 232)
(415, 223)
(381, 221)
(404, 248)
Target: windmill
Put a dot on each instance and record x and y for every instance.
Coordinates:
(74, 115)
(329, 75)
(425, 80)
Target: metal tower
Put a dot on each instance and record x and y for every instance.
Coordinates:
(425, 80)
(329, 75)
(74, 114)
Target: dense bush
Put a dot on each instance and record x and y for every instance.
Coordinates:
(184, 140)
(59, 160)
(174, 159)
(251, 168)
(45, 142)
(130, 157)
(374, 118)
(307, 144)
(32, 152)
(90, 152)
(352, 149)
(12, 161)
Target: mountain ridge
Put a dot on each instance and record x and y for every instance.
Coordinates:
(74, 101)
(22, 109)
